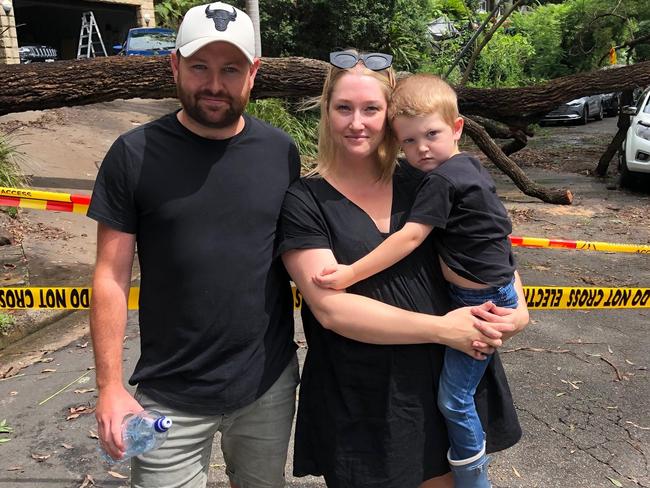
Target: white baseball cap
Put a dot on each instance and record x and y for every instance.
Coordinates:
(212, 22)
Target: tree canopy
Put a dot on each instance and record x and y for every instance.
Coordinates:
(545, 40)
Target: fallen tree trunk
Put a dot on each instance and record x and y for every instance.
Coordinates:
(80, 82)
(485, 143)
(40, 86)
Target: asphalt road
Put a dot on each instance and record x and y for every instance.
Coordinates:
(579, 378)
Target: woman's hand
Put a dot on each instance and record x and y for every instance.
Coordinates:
(467, 332)
(489, 313)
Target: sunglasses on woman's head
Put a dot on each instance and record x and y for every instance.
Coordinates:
(372, 61)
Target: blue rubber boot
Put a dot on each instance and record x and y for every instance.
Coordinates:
(471, 473)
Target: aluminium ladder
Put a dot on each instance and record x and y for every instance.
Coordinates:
(90, 39)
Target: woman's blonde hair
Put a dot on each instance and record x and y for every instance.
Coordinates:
(424, 94)
(387, 150)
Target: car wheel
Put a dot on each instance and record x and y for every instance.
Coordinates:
(600, 114)
(584, 118)
(625, 179)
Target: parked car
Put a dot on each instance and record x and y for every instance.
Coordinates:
(611, 102)
(634, 159)
(147, 41)
(37, 54)
(579, 110)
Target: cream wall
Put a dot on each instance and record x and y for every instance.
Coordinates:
(9, 40)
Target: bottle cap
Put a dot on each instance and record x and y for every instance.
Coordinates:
(162, 424)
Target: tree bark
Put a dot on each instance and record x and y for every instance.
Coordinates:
(40, 86)
(497, 130)
(623, 125)
(510, 168)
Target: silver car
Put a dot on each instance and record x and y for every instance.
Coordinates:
(579, 110)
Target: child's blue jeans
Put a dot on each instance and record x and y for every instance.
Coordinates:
(461, 375)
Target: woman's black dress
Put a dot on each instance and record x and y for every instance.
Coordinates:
(367, 415)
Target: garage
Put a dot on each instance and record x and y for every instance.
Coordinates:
(57, 23)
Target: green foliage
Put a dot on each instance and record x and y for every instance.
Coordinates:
(542, 27)
(328, 25)
(589, 30)
(6, 321)
(443, 56)
(642, 51)
(169, 13)
(10, 174)
(502, 61)
(301, 125)
(408, 36)
(5, 429)
(278, 25)
(454, 9)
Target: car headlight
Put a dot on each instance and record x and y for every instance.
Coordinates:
(643, 131)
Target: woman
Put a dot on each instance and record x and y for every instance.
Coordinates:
(367, 415)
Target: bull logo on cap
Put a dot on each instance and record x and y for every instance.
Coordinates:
(221, 17)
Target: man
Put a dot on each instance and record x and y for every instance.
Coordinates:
(199, 191)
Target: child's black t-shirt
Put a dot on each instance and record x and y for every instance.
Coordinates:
(471, 225)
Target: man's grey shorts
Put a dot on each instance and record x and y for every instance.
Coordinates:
(254, 441)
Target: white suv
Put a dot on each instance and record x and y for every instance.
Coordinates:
(635, 157)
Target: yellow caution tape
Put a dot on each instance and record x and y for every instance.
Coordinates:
(540, 242)
(43, 200)
(578, 297)
(537, 297)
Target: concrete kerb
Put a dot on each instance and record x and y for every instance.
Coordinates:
(30, 321)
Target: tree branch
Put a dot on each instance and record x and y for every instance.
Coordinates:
(510, 168)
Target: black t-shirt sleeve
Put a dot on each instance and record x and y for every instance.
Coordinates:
(433, 202)
(112, 201)
(302, 225)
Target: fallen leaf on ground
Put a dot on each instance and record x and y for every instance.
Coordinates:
(13, 393)
(117, 475)
(516, 472)
(637, 426)
(615, 482)
(88, 481)
(15, 468)
(40, 457)
(75, 412)
(85, 344)
(67, 446)
(92, 434)
(84, 390)
(45, 360)
(49, 370)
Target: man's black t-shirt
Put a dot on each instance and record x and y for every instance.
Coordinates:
(216, 316)
(471, 225)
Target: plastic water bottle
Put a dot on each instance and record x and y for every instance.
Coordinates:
(141, 432)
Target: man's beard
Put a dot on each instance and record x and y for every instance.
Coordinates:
(208, 118)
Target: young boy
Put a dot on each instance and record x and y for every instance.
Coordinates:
(457, 200)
